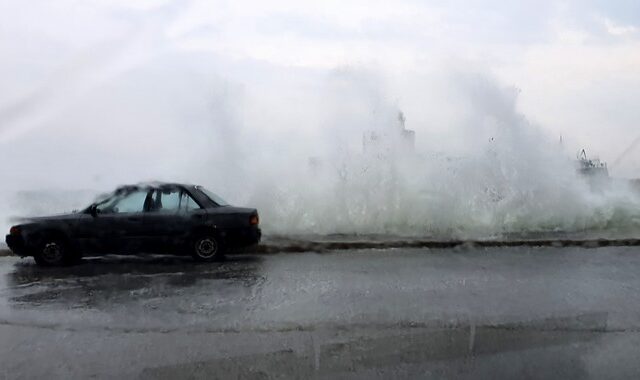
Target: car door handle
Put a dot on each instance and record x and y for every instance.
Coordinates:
(134, 219)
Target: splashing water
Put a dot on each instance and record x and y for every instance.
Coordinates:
(511, 180)
(497, 191)
(329, 155)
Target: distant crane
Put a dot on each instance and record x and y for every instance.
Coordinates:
(631, 147)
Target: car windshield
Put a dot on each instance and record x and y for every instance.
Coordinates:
(213, 196)
(104, 197)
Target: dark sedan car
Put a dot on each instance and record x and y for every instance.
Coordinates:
(150, 218)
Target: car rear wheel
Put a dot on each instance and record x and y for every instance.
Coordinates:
(207, 248)
(52, 252)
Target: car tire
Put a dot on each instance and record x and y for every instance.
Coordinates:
(53, 251)
(207, 247)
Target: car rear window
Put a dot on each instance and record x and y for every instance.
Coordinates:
(214, 197)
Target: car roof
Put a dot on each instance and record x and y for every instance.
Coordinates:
(153, 185)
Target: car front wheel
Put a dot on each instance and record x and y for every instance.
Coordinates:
(52, 252)
(207, 248)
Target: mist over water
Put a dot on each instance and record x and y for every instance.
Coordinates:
(316, 151)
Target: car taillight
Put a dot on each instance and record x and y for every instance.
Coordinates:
(254, 220)
(15, 230)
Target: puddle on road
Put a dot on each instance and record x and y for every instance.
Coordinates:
(303, 291)
(108, 282)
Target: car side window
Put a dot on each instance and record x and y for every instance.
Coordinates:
(165, 201)
(131, 202)
(187, 203)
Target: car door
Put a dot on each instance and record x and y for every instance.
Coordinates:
(168, 223)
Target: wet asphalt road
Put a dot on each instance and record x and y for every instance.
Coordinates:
(464, 313)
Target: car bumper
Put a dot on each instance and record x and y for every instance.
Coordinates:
(16, 244)
(242, 237)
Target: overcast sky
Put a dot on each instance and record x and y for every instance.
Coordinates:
(86, 85)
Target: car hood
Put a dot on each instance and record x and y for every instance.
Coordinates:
(56, 217)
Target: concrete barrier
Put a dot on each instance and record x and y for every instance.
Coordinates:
(297, 246)
(293, 246)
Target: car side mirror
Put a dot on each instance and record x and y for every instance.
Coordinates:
(93, 210)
